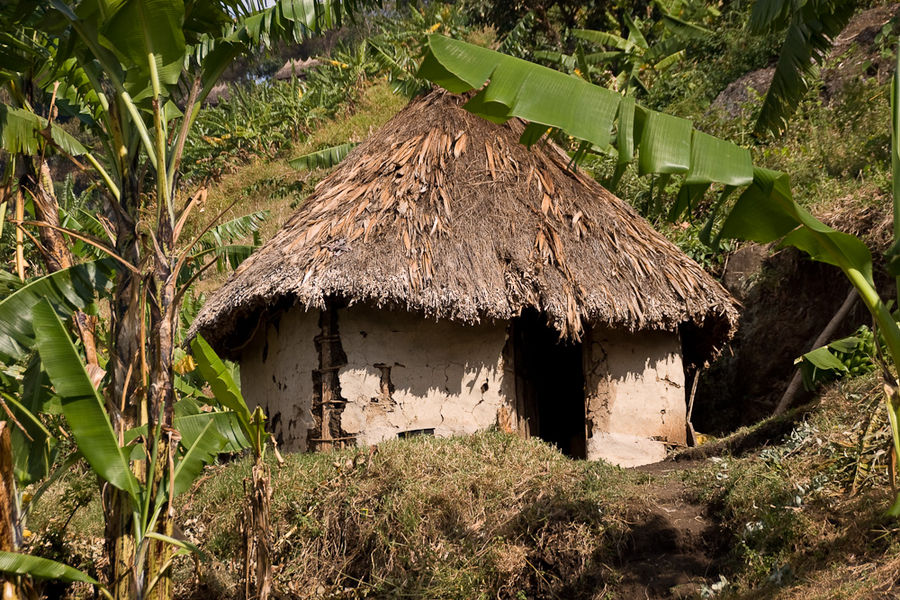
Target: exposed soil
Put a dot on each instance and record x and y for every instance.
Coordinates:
(673, 543)
(788, 300)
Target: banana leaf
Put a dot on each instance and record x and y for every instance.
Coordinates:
(322, 159)
(82, 405)
(67, 289)
(202, 451)
(225, 390)
(511, 87)
(41, 568)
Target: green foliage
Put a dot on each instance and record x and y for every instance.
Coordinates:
(228, 394)
(322, 159)
(68, 290)
(41, 568)
(851, 356)
(810, 28)
(83, 407)
(629, 60)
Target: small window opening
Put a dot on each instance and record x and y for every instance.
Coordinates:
(415, 433)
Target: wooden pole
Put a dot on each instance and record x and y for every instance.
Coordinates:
(794, 386)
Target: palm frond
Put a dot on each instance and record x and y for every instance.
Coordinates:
(323, 159)
(807, 41)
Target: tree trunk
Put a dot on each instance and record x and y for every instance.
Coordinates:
(125, 400)
(163, 314)
(58, 255)
(9, 536)
(119, 543)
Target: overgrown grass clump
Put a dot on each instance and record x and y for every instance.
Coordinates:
(485, 516)
(806, 514)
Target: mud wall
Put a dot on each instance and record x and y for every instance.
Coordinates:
(276, 373)
(401, 374)
(635, 397)
(408, 374)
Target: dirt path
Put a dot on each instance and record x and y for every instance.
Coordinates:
(674, 544)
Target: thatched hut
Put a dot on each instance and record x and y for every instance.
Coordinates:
(445, 279)
(296, 67)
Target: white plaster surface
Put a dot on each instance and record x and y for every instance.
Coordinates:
(454, 379)
(276, 373)
(634, 388)
(445, 376)
(625, 450)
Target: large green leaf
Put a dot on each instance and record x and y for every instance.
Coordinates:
(665, 145)
(322, 159)
(809, 35)
(82, 406)
(236, 229)
(223, 386)
(226, 391)
(521, 89)
(713, 159)
(202, 451)
(766, 211)
(67, 289)
(191, 418)
(603, 38)
(20, 132)
(143, 30)
(41, 568)
(33, 446)
(510, 87)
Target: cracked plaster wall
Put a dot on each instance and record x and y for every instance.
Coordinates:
(276, 373)
(443, 376)
(634, 387)
(454, 379)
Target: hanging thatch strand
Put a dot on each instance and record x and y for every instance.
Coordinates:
(444, 213)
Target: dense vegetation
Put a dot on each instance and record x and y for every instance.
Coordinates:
(491, 516)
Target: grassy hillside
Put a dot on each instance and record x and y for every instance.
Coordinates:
(496, 516)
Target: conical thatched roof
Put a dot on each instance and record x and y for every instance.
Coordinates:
(446, 214)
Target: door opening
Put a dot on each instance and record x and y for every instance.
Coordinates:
(549, 384)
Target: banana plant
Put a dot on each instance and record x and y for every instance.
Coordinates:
(765, 210)
(809, 28)
(135, 74)
(112, 459)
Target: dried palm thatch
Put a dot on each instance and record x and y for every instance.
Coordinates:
(446, 214)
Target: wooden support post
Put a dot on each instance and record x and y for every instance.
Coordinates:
(328, 403)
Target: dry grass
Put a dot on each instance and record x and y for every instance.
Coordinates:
(486, 516)
(496, 516)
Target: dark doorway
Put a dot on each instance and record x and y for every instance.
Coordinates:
(549, 384)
